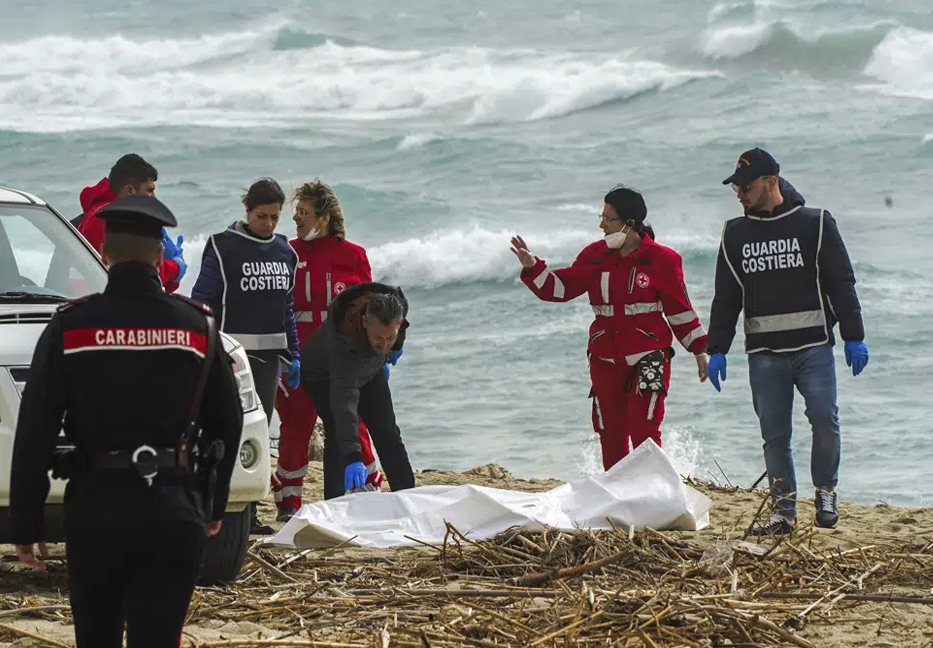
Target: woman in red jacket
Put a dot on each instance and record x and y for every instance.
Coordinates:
(638, 295)
(327, 265)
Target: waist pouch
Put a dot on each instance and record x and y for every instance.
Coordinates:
(649, 372)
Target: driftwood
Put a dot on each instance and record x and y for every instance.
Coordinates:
(547, 589)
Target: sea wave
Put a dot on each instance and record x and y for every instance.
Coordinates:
(62, 83)
(471, 255)
(783, 43)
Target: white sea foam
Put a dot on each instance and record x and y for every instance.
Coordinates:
(61, 83)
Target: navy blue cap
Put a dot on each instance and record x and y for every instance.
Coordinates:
(137, 214)
(752, 165)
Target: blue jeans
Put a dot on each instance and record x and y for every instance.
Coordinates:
(773, 377)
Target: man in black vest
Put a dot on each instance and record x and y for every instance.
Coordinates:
(786, 266)
(141, 385)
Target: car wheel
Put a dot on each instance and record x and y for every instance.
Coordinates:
(225, 553)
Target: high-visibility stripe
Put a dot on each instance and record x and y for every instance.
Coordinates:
(603, 311)
(599, 413)
(695, 334)
(604, 287)
(682, 318)
(784, 322)
(635, 357)
(304, 316)
(640, 308)
(287, 491)
(542, 278)
(651, 405)
(261, 342)
(292, 474)
(558, 287)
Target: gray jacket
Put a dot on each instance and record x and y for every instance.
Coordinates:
(339, 354)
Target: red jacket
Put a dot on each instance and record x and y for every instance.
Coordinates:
(326, 267)
(637, 299)
(92, 228)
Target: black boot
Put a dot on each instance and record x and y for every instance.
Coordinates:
(255, 527)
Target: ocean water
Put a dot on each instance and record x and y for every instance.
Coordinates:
(445, 127)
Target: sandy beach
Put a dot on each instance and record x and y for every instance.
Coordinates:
(875, 550)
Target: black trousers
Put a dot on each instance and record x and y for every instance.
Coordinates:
(140, 576)
(266, 370)
(375, 408)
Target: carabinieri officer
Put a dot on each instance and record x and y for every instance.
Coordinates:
(120, 368)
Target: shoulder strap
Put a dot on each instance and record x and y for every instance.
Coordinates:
(184, 444)
(74, 302)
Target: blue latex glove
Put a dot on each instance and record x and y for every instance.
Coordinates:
(717, 369)
(172, 249)
(173, 252)
(354, 476)
(294, 374)
(394, 356)
(182, 268)
(856, 356)
(385, 370)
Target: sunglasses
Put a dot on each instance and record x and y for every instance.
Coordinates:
(745, 188)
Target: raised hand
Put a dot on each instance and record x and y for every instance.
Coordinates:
(520, 249)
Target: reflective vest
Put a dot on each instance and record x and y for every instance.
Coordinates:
(258, 277)
(775, 261)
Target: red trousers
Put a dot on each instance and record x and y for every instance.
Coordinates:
(621, 415)
(297, 417)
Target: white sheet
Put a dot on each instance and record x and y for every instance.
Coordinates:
(642, 490)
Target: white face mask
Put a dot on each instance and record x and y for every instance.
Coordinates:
(310, 236)
(616, 239)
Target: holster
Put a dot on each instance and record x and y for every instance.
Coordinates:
(206, 457)
(207, 461)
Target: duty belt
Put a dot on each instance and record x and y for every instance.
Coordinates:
(144, 460)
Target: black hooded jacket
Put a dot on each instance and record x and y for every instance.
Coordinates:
(790, 272)
(339, 353)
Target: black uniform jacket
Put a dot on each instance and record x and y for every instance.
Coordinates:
(118, 370)
(339, 353)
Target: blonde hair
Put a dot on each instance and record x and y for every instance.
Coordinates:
(325, 203)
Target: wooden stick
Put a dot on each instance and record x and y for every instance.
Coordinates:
(272, 568)
(29, 610)
(839, 589)
(872, 598)
(468, 593)
(229, 643)
(540, 578)
(761, 623)
(37, 637)
(759, 480)
(566, 629)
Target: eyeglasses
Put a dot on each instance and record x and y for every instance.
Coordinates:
(608, 219)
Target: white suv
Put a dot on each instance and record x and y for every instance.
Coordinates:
(44, 262)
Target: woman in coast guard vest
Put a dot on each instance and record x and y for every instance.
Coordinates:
(248, 278)
(637, 290)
